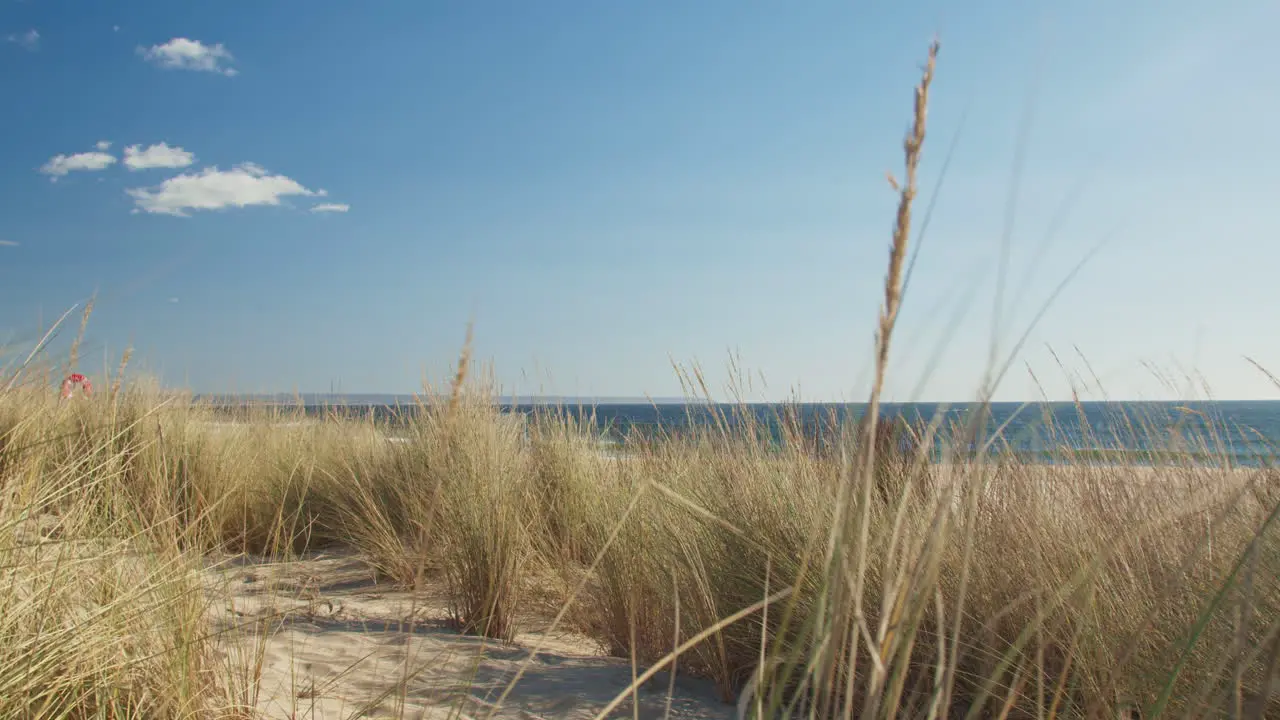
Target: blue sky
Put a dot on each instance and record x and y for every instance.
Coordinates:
(300, 195)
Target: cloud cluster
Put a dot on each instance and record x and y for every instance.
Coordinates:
(243, 185)
(213, 189)
(186, 54)
(159, 155)
(246, 184)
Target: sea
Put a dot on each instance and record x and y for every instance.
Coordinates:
(1230, 433)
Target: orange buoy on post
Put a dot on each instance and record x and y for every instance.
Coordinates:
(73, 381)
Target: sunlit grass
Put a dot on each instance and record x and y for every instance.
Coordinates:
(1086, 584)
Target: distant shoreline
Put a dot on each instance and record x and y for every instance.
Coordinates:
(320, 400)
(1058, 457)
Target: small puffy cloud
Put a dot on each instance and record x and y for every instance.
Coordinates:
(331, 208)
(29, 40)
(173, 301)
(8, 243)
(159, 155)
(60, 165)
(103, 145)
(186, 54)
(115, 28)
(213, 189)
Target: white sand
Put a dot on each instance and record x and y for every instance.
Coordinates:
(334, 645)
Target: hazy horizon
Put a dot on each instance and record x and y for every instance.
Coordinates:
(403, 398)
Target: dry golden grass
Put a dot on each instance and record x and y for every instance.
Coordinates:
(1083, 586)
(829, 579)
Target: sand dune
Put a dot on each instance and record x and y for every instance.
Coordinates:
(332, 644)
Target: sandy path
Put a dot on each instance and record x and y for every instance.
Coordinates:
(331, 644)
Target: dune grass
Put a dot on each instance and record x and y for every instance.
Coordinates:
(839, 580)
(1044, 590)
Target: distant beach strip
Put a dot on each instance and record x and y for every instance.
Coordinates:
(1241, 433)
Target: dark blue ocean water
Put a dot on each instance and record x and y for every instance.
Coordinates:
(1238, 433)
(1243, 433)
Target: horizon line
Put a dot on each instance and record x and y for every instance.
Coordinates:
(409, 398)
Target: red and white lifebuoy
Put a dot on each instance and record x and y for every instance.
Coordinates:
(73, 381)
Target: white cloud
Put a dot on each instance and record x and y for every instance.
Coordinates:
(331, 208)
(9, 243)
(213, 189)
(115, 28)
(60, 165)
(159, 155)
(103, 145)
(29, 39)
(173, 301)
(187, 54)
